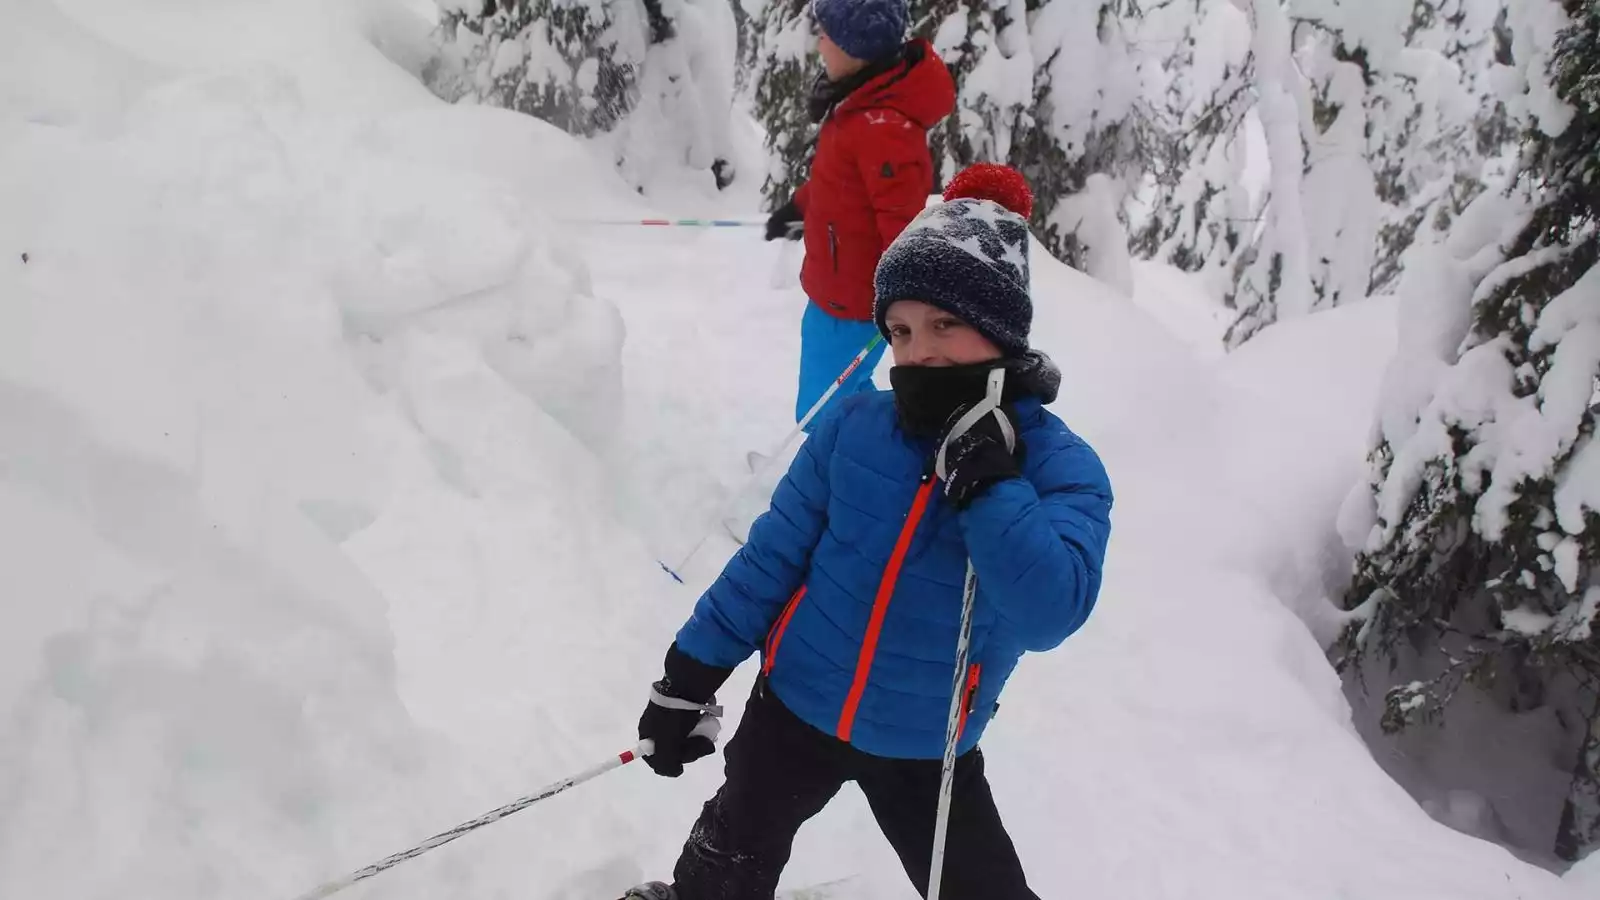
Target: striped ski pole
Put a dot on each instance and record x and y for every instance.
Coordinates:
(678, 223)
(778, 448)
(645, 748)
(969, 594)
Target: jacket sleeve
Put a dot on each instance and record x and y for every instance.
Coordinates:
(891, 154)
(734, 615)
(1038, 543)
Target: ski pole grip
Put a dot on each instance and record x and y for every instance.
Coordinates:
(646, 747)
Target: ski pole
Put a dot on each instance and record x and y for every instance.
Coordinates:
(777, 449)
(676, 223)
(645, 748)
(969, 594)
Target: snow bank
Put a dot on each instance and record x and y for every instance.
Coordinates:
(35, 87)
(1585, 876)
(279, 390)
(353, 56)
(1250, 777)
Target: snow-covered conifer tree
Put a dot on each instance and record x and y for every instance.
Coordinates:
(1480, 534)
(781, 65)
(1399, 124)
(653, 77)
(1439, 128)
(1194, 210)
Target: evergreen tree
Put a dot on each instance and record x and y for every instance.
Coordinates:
(781, 65)
(566, 63)
(1447, 130)
(1400, 126)
(1482, 563)
(652, 76)
(1195, 209)
(1089, 118)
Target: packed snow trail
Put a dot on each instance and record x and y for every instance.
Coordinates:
(335, 458)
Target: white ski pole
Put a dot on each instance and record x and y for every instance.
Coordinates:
(778, 448)
(958, 692)
(645, 748)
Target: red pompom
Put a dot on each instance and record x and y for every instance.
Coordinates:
(991, 181)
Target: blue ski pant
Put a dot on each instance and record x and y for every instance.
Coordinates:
(827, 344)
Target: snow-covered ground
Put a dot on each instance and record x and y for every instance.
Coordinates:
(337, 451)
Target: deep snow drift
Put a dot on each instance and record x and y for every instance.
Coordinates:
(336, 455)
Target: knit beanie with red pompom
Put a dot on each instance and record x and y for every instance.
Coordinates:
(967, 256)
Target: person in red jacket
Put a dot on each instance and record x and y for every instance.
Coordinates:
(872, 173)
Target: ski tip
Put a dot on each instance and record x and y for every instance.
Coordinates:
(668, 569)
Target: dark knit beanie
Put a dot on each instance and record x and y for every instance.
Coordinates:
(968, 256)
(865, 29)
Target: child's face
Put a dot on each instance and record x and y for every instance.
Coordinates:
(924, 335)
(838, 63)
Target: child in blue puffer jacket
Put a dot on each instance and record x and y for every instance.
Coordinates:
(851, 584)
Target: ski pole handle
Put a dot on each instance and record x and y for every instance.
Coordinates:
(644, 748)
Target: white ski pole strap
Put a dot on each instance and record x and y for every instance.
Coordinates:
(989, 405)
(662, 700)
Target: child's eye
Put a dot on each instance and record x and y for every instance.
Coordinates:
(897, 332)
(947, 324)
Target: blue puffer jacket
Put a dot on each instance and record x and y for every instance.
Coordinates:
(851, 583)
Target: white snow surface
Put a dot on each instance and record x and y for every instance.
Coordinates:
(336, 455)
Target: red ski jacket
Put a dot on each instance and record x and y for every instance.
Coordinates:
(871, 175)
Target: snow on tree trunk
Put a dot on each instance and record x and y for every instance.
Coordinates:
(1339, 192)
(683, 114)
(1482, 553)
(1274, 277)
(653, 77)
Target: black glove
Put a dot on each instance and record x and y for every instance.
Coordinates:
(786, 222)
(978, 458)
(682, 718)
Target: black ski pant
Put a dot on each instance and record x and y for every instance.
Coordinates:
(781, 772)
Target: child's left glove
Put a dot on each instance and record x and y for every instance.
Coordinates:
(979, 457)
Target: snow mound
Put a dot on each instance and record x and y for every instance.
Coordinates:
(1199, 662)
(250, 350)
(1585, 876)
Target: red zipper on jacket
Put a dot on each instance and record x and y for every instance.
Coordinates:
(974, 674)
(775, 637)
(880, 608)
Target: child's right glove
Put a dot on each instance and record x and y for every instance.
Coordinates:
(787, 222)
(682, 717)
